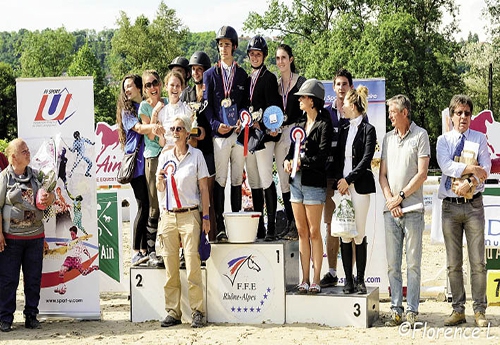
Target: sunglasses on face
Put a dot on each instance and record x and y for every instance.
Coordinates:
(176, 129)
(154, 83)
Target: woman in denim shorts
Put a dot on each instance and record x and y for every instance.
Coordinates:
(308, 187)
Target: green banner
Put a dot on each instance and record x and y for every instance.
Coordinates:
(109, 240)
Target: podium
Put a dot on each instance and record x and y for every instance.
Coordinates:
(147, 300)
(253, 284)
(333, 308)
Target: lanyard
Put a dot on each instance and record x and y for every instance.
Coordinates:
(228, 78)
(284, 94)
(253, 82)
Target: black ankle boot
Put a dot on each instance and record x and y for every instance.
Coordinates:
(271, 205)
(219, 210)
(31, 322)
(258, 206)
(235, 198)
(346, 252)
(361, 253)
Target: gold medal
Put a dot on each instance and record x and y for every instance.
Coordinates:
(250, 109)
(226, 103)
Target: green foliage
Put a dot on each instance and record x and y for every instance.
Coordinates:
(3, 145)
(85, 63)
(146, 45)
(8, 112)
(46, 53)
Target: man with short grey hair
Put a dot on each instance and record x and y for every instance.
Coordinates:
(403, 170)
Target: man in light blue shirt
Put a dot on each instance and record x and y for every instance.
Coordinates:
(462, 209)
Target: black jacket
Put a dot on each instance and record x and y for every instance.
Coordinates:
(316, 148)
(363, 148)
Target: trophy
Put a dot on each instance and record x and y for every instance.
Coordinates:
(197, 108)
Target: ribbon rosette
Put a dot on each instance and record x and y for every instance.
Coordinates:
(298, 136)
(170, 167)
(246, 122)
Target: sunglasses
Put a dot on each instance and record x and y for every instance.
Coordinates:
(154, 83)
(466, 113)
(176, 129)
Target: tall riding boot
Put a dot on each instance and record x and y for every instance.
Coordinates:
(258, 206)
(288, 213)
(361, 253)
(346, 252)
(271, 205)
(219, 210)
(236, 198)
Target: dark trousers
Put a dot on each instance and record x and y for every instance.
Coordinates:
(140, 231)
(27, 254)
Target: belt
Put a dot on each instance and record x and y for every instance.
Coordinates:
(183, 210)
(462, 200)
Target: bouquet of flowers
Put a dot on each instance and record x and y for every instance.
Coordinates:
(344, 222)
(45, 160)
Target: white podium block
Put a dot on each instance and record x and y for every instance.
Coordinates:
(147, 301)
(246, 283)
(332, 308)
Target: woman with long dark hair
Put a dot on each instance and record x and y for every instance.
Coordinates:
(130, 132)
(288, 84)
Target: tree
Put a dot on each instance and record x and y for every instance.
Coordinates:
(8, 109)
(400, 40)
(145, 44)
(85, 63)
(47, 53)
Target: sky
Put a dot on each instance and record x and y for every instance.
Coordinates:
(198, 15)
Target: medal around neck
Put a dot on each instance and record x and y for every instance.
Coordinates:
(273, 118)
(226, 103)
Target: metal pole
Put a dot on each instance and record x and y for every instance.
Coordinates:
(490, 88)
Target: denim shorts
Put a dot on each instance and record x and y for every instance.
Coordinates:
(305, 194)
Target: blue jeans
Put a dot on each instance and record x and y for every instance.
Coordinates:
(411, 226)
(458, 219)
(27, 254)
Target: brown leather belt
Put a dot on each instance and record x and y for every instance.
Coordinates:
(183, 210)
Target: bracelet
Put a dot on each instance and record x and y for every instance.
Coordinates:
(206, 217)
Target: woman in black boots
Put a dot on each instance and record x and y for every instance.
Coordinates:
(353, 158)
(262, 93)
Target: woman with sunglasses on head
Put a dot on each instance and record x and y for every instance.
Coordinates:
(308, 186)
(183, 192)
(288, 84)
(130, 132)
(352, 170)
(148, 113)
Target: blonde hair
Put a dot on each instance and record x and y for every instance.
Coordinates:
(177, 75)
(12, 148)
(359, 97)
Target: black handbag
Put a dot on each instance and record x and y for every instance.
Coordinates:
(127, 168)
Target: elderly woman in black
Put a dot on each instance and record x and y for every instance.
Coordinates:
(308, 187)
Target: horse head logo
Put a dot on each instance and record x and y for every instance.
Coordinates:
(236, 264)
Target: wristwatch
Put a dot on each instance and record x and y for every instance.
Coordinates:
(206, 217)
(402, 195)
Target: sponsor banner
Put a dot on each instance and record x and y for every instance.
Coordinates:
(109, 238)
(109, 155)
(56, 118)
